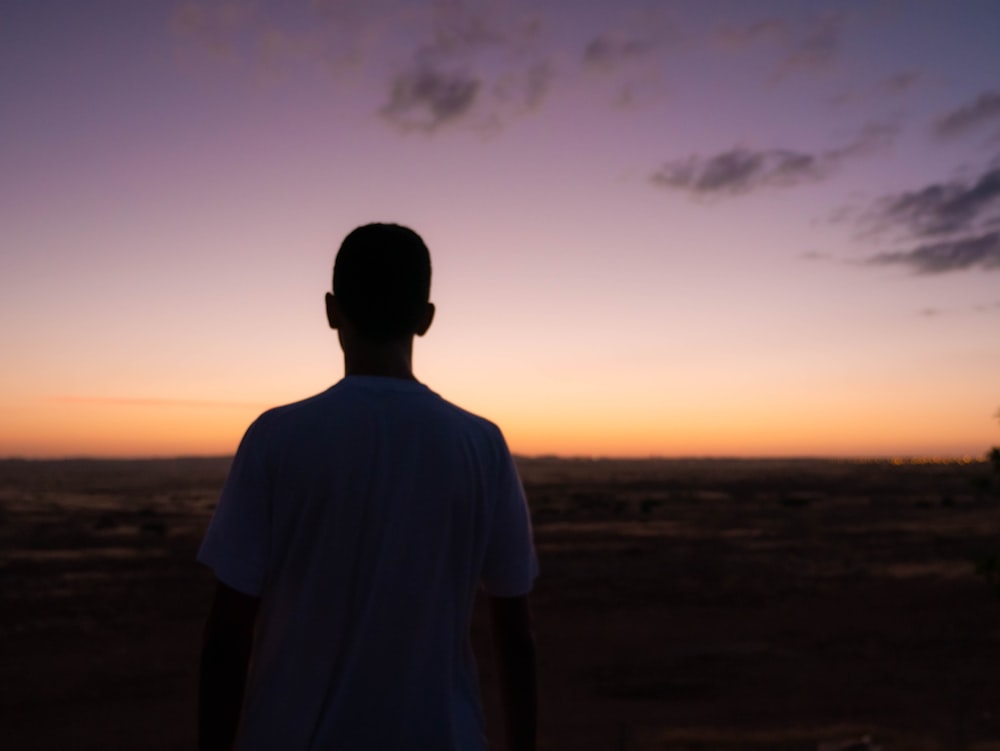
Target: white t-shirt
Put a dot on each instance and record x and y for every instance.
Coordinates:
(365, 518)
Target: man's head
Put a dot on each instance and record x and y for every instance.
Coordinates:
(381, 282)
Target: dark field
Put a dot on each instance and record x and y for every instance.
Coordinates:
(715, 604)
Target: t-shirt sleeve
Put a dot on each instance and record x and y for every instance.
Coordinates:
(510, 565)
(237, 544)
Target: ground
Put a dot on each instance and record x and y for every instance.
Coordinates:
(683, 604)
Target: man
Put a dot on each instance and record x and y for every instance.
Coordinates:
(350, 539)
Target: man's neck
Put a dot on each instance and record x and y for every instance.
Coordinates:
(391, 360)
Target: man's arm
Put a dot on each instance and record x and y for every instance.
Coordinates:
(225, 656)
(514, 643)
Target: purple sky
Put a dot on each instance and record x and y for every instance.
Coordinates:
(710, 228)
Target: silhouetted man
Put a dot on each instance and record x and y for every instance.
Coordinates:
(350, 539)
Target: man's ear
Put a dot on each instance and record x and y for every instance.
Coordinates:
(425, 320)
(332, 311)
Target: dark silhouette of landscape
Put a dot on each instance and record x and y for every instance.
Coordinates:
(682, 604)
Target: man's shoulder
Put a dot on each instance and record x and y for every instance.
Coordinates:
(462, 414)
(361, 393)
(285, 413)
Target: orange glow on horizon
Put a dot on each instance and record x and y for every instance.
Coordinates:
(149, 427)
(126, 430)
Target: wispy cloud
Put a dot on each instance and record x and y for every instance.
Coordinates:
(449, 61)
(814, 255)
(260, 38)
(984, 110)
(457, 29)
(437, 65)
(424, 98)
(942, 208)
(982, 251)
(475, 64)
(949, 226)
(608, 50)
(878, 92)
(808, 45)
(430, 96)
(815, 50)
(931, 311)
(742, 170)
(629, 56)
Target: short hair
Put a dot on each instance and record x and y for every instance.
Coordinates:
(382, 280)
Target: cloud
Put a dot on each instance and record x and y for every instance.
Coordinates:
(872, 138)
(890, 87)
(626, 61)
(816, 50)
(431, 95)
(982, 251)
(984, 110)
(978, 309)
(267, 38)
(942, 208)
(950, 226)
(424, 98)
(469, 63)
(741, 170)
(609, 50)
(814, 255)
(483, 65)
(434, 65)
(457, 31)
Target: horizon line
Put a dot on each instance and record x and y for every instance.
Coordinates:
(914, 458)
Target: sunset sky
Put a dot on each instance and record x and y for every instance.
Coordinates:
(658, 228)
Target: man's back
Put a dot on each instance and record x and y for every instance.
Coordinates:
(364, 519)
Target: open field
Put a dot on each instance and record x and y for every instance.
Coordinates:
(683, 604)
